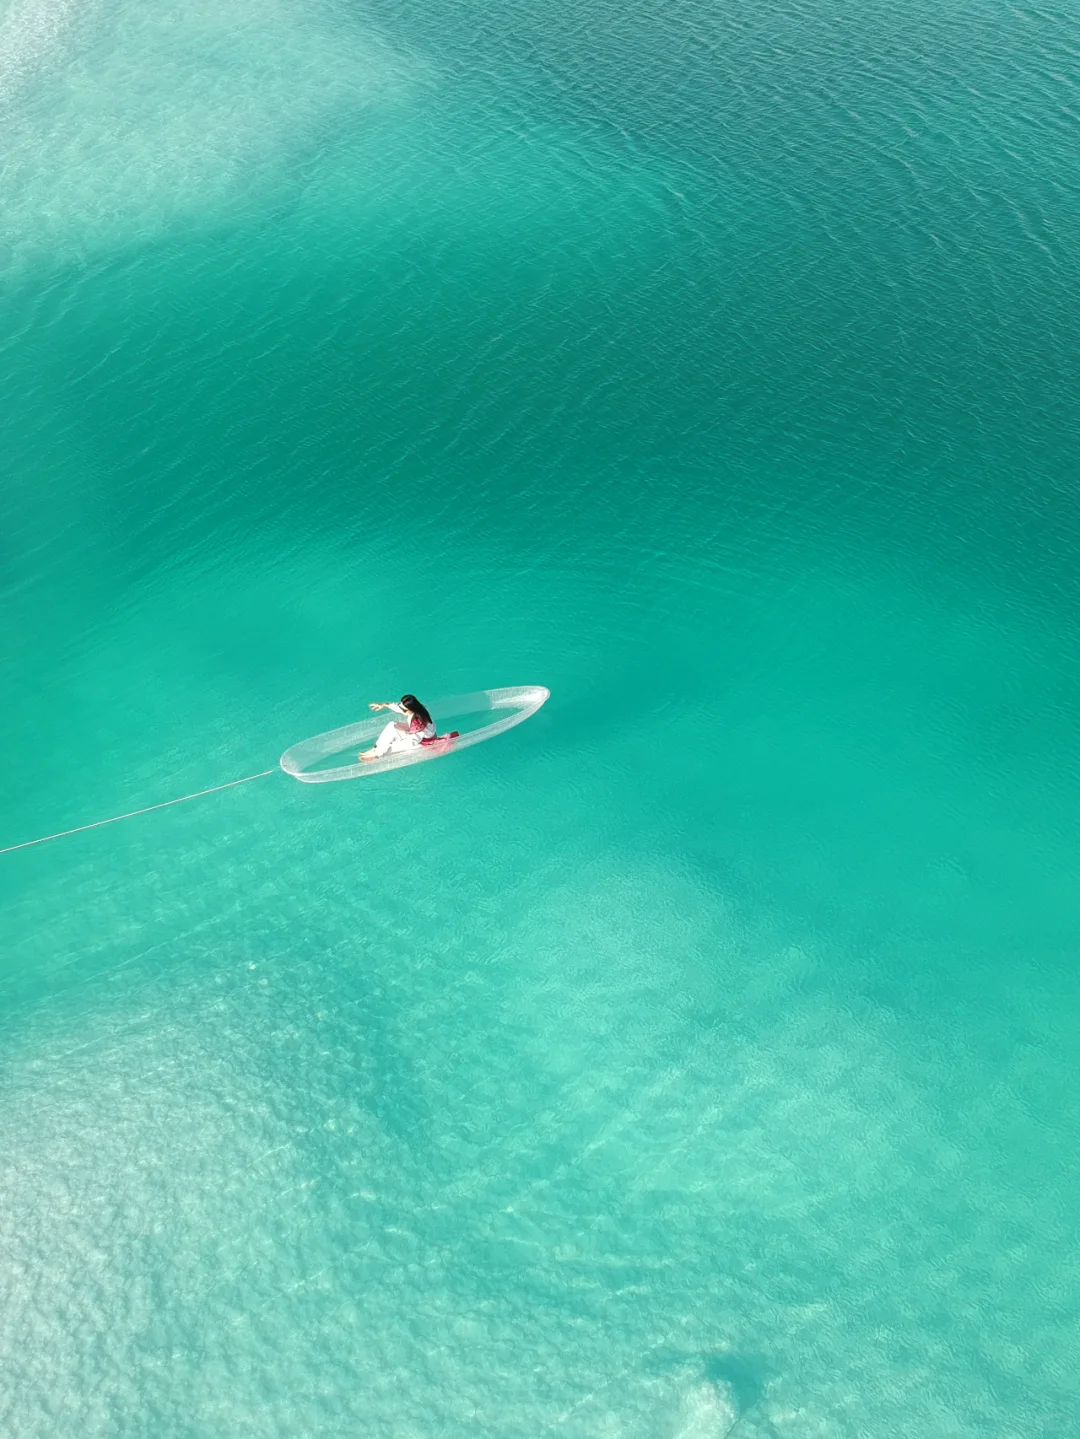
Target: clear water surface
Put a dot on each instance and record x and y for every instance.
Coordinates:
(699, 1058)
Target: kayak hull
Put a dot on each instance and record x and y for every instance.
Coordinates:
(305, 761)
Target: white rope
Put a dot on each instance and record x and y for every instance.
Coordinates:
(60, 834)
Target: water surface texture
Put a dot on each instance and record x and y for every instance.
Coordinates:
(700, 1057)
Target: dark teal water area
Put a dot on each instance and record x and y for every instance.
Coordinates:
(699, 1058)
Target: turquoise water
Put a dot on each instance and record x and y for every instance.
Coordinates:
(699, 1058)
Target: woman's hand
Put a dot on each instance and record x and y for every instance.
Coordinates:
(378, 707)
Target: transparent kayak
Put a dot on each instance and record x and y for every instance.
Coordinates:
(312, 760)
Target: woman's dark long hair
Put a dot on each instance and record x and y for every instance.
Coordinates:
(413, 705)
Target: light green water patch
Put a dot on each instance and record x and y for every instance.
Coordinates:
(593, 1113)
(124, 126)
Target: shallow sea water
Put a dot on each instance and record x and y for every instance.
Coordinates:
(699, 1058)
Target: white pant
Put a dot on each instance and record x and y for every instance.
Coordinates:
(395, 737)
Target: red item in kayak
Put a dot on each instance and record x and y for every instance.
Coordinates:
(441, 738)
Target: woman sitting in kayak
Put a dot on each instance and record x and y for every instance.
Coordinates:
(419, 730)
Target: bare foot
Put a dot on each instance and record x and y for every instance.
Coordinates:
(367, 754)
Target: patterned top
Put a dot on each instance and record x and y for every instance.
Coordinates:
(417, 728)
